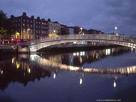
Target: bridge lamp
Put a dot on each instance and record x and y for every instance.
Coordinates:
(116, 28)
(81, 29)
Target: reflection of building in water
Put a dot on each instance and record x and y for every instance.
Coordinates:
(19, 71)
(56, 59)
(79, 58)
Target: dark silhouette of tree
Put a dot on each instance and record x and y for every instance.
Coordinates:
(3, 19)
(6, 26)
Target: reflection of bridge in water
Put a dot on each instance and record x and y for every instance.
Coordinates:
(45, 63)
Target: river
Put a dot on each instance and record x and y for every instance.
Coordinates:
(64, 77)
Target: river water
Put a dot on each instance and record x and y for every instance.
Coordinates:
(52, 77)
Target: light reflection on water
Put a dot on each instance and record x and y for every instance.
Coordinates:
(22, 77)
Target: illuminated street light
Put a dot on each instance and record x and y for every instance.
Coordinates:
(29, 70)
(81, 29)
(54, 31)
(17, 35)
(116, 28)
(81, 32)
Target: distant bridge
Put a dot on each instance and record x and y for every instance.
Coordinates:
(36, 45)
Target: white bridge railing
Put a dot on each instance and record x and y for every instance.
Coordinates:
(101, 38)
(87, 37)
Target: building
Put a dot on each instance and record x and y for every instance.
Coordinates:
(54, 27)
(29, 28)
(64, 30)
(76, 29)
(93, 31)
(71, 30)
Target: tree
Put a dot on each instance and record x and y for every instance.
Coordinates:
(6, 26)
(3, 18)
(2, 31)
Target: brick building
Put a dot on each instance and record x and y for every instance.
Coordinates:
(29, 27)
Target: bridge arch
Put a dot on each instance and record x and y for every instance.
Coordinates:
(101, 38)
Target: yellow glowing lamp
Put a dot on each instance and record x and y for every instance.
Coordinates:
(53, 35)
(17, 65)
(17, 34)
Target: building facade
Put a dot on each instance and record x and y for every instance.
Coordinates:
(54, 27)
(29, 28)
(64, 30)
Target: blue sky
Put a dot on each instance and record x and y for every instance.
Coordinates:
(98, 14)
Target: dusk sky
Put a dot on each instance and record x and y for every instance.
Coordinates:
(98, 14)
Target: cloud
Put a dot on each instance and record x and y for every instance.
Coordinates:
(98, 14)
(124, 14)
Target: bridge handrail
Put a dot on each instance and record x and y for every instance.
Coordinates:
(87, 37)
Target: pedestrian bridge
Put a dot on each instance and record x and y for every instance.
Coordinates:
(36, 45)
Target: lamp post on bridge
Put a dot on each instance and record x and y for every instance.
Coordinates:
(82, 33)
(81, 30)
(116, 28)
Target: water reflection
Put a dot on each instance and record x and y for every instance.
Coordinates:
(62, 62)
(15, 70)
(79, 58)
(24, 68)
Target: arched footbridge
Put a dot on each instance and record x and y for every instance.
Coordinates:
(36, 45)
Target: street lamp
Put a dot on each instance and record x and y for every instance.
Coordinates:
(54, 31)
(116, 28)
(81, 29)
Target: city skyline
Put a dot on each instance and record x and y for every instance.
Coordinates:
(102, 15)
